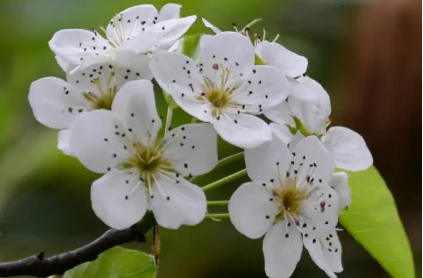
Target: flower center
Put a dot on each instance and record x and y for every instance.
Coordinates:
(218, 98)
(290, 199)
(104, 98)
(218, 95)
(148, 161)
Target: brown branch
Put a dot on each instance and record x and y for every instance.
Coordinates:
(39, 266)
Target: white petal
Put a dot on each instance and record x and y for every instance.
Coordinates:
(135, 105)
(179, 76)
(276, 55)
(315, 112)
(229, 51)
(300, 91)
(192, 148)
(119, 199)
(176, 70)
(282, 132)
(169, 11)
(269, 161)
(177, 202)
(262, 88)
(129, 22)
(294, 141)
(84, 78)
(320, 212)
(315, 249)
(204, 40)
(143, 43)
(55, 103)
(282, 252)
(339, 183)
(130, 66)
(172, 30)
(280, 114)
(348, 148)
(77, 46)
(98, 141)
(63, 142)
(311, 159)
(242, 130)
(332, 251)
(199, 109)
(252, 210)
(64, 65)
(211, 26)
(177, 46)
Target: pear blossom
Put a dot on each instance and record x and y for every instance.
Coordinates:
(292, 65)
(225, 89)
(55, 102)
(276, 55)
(339, 183)
(348, 148)
(216, 30)
(289, 201)
(141, 171)
(326, 253)
(131, 34)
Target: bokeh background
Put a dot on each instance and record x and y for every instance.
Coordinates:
(367, 54)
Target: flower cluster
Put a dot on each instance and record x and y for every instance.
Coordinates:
(107, 117)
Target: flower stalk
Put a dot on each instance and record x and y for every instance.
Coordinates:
(168, 118)
(223, 162)
(225, 180)
(216, 216)
(217, 203)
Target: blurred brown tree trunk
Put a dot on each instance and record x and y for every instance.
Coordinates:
(384, 104)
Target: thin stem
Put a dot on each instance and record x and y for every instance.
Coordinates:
(229, 159)
(168, 118)
(223, 162)
(227, 179)
(217, 203)
(156, 245)
(217, 215)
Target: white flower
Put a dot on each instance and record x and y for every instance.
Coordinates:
(289, 200)
(136, 30)
(326, 252)
(143, 172)
(339, 183)
(273, 54)
(290, 63)
(348, 148)
(55, 102)
(226, 89)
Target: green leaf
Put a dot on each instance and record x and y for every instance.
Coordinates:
(116, 263)
(259, 61)
(373, 221)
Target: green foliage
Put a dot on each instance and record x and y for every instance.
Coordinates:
(190, 45)
(374, 222)
(116, 263)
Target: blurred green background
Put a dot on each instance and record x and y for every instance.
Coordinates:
(366, 54)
